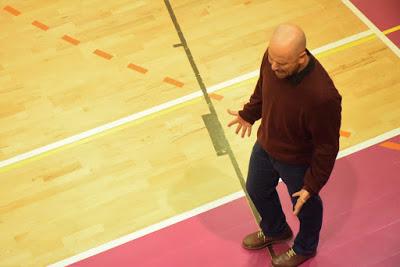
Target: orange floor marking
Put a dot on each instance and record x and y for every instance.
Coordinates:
(71, 40)
(216, 96)
(137, 68)
(40, 25)
(173, 82)
(345, 133)
(12, 10)
(391, 145)
(103, 54)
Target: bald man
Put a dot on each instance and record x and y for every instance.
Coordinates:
(297, 141)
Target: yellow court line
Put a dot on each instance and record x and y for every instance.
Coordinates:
(394, 29)
(346, 46)
(180, 105)
(358, 13)
(357, 42)
(98, 135)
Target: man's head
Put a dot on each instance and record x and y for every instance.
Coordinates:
(286, 51)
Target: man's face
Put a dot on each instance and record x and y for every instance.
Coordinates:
(283, 64)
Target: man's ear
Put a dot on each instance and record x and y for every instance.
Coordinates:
(302, 57)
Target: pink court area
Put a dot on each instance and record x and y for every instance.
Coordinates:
(395, 36)
(361, 224)
(385, 14)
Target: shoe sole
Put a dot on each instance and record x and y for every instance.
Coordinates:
(267, 244)
(312, 256)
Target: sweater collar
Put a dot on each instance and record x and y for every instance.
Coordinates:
(298, 77)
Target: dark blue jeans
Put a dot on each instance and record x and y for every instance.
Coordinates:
(263, 177)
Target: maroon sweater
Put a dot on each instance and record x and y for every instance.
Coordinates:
(300, 119)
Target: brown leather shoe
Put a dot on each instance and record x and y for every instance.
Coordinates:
(258, 240)
(289, 259)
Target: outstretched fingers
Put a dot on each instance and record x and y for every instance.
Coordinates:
(238, 128)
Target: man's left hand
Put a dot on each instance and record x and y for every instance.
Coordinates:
(303, 195)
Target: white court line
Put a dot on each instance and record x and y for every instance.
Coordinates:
(204, 208)
(164, 106)
(372, 26)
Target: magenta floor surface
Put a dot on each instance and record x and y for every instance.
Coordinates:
(385, 14)
(361, 224)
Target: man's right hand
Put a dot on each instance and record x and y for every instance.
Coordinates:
(241, 123)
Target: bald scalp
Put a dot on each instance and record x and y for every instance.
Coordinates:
(288, 39)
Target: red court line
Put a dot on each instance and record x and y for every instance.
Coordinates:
(137, 68)
(70, 39)
(40, 25)
(360, 204)
(173, 82)
(12, 10)
(103, 54)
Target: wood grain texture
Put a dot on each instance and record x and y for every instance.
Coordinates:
(110, 185)
(65, 89)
